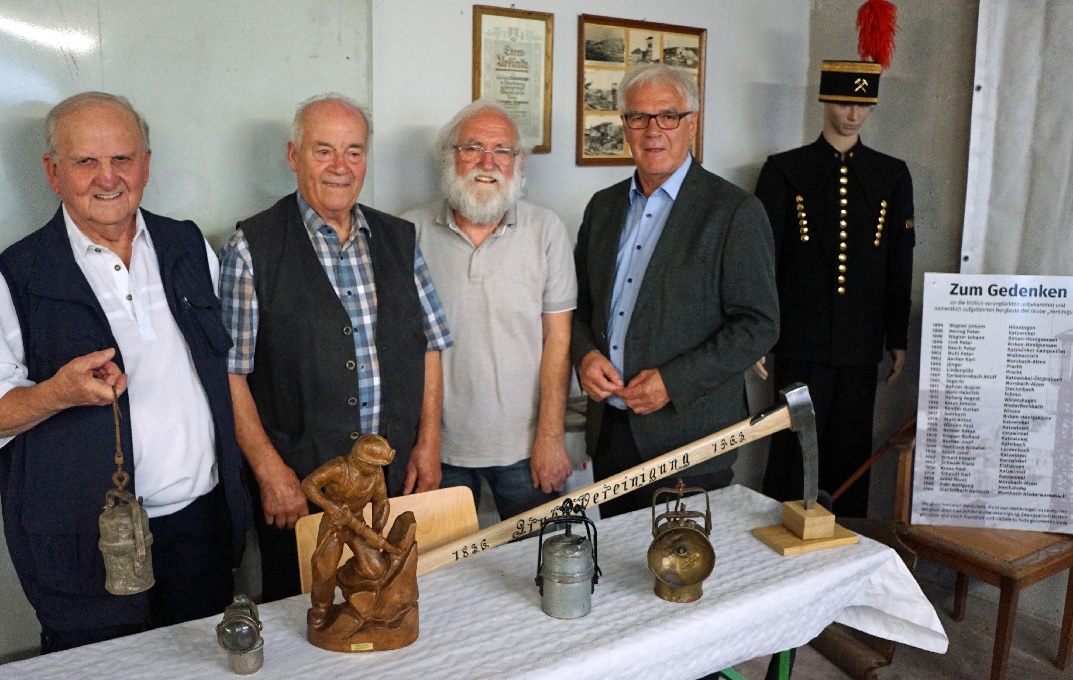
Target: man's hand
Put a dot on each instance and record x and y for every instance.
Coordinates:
(760, 369)
(897, 363)
(598, 377)
(423, 471)
(83, 381)
(88, 380)
(282, 498)
(549, 464)
(646, 393)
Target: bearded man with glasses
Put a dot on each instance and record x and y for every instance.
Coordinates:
(502, 268)
(676, 293)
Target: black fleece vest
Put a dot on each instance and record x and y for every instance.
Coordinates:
(305, 379)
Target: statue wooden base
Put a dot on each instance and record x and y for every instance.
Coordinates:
(376, 614)
(804, 531)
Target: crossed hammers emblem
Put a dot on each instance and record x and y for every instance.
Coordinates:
(862, 84)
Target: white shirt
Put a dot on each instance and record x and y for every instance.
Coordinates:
(173, 434)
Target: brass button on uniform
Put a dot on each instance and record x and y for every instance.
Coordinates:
(841, 290)
(841, 257)
(842, 191)
(355, 435)
(842, 235)
(843, 180)
(877, 243)
(353, 401)
(842, 201)
(842, 269)
(843, 170)
(841, 279)
(347, 330)
(350, 365)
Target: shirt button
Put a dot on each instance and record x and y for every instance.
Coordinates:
(622, 313)
(638, 247)
(355, 435)
(629, 280)
(615, 347)
(117, 267)
(129, 296)
(350, 365)
(347, 330)
(364, 404)
(353, 401)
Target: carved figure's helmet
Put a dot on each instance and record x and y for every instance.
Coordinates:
(372, 449)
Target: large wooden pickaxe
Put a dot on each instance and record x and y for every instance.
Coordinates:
(796, 414)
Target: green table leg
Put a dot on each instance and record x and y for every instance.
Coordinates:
(784, 669)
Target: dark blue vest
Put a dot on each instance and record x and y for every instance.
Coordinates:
(53, 478)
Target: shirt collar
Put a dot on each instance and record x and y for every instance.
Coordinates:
(671, 187)
(835, 153)
(314, 222)
(82, 244)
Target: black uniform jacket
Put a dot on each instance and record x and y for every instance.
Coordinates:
(843, 229)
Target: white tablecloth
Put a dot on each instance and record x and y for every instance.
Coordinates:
(481, 618)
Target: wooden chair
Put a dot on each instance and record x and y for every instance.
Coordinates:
(1011, 560)
(442, 515)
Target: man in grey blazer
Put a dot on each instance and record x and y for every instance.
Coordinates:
(676, 293)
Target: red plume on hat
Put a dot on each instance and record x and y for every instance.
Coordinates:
(876, 25)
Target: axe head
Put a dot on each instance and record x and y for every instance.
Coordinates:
(803, 422)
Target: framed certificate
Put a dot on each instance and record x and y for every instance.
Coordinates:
(512, 66)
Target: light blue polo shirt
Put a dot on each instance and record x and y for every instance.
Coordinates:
(644, 224)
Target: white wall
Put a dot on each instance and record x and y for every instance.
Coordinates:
(756, 69)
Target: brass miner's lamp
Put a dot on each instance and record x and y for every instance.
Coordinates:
(681, 555)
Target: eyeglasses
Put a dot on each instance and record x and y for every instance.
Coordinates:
(474, 153)
(666, 120)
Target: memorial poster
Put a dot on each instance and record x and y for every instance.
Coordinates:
(994, 441)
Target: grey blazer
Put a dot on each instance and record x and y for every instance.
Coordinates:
(707, 310)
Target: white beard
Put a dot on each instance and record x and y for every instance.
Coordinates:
(480, 203)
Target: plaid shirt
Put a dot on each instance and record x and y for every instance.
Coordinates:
(349, 268)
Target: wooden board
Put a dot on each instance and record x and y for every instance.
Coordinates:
(783, 541)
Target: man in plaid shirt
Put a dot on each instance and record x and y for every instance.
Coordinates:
(337, 329)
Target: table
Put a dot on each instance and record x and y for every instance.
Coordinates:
(481, 618)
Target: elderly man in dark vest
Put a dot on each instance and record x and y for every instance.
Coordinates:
(104, 296)
(338, 332)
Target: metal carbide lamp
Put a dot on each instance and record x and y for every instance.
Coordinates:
(567, 569)
(681, 555)
(125, 539)
(240, 634)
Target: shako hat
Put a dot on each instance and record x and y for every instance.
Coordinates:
(857, 82)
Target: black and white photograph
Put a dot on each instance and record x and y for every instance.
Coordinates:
(601, 89)
(681, 50)
(644, 47)
(603, 135)
(605, 44)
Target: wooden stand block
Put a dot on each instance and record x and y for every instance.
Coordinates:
(783, 541)
(817, 522)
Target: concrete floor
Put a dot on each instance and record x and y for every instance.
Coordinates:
(1035, 646)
